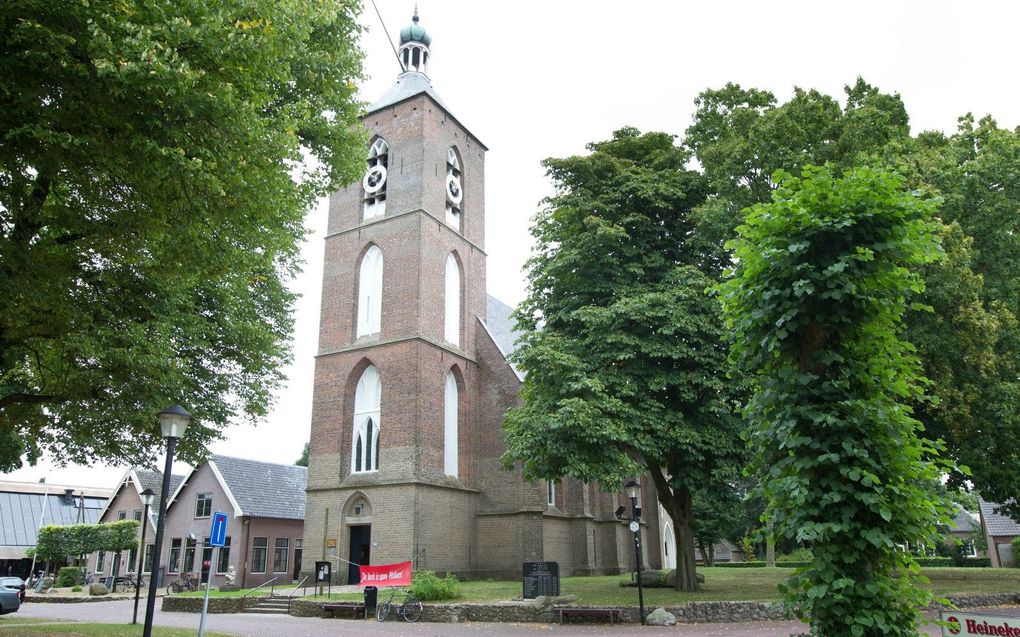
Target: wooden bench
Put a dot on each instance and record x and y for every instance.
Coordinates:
(356, 608)
(614, 614)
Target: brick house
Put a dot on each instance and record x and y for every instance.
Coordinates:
(265, 509)
(412, 378)
(126, 503)
(999, 531)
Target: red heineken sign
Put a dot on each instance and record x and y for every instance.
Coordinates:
(966, 624)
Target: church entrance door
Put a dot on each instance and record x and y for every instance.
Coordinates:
(360, 545)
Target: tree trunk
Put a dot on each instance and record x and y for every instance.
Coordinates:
(770, 544)
(680, 508)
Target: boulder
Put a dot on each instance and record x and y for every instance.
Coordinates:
(670, 579)
(96, 588)
(660, 617)
(564, 599)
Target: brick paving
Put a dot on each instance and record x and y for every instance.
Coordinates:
(246, 625)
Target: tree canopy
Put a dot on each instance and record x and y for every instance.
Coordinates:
(968, 343)
(622, 345)
(56, 542)
(822, 279)
(153, 183)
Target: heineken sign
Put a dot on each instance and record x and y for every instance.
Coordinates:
(966, 624)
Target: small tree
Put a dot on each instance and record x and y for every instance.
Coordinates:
(815, 305)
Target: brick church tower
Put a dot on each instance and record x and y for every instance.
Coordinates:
(411, 377)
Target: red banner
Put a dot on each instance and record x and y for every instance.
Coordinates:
(386, 575)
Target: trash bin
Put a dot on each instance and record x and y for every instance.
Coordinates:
(371, 597)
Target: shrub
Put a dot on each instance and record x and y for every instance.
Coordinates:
(760, 564)
(1016, 551)
(68, 576)
(427, 586)
(933, 561)
(799, 555)
(76, 588)
(976, 562)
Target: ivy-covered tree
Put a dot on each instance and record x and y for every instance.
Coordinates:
(815, 306)
(153, 186)
(626, 367)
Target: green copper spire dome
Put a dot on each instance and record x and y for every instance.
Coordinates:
(415, 32)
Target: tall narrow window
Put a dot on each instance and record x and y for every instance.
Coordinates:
(450, 430)
(367, 398)
(452, 333)
(374, 181)
(454, 190)
(550, 493)
(224, 556)
(260, 546)
(173, 565)
(370, 292)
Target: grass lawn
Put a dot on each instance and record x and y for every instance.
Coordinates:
(35, 629)
(721, 584)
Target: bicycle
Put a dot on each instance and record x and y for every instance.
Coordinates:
(179, 585)
(410, 608)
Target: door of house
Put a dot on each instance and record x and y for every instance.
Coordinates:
(360, 545)
(297, 561)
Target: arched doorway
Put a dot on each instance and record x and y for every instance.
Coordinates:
(358, 520)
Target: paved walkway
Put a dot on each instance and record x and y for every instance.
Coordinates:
(248, 625)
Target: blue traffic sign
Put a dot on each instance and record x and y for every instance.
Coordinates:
(218, 534)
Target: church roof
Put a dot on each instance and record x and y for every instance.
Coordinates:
(264, 489)
(415, 32)
(501, 327)
(408, 84)
(997, 523)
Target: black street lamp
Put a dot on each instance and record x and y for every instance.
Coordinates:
(173, 421)
(633, 491)
(147, 497)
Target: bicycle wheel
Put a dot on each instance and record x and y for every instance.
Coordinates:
(411, 609)
(382, 611)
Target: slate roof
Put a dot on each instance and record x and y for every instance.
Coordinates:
(996, 524)
(263, 489)
(501, 327)
(152, 479)
(963, 522)
(408, 85)
(20, 514)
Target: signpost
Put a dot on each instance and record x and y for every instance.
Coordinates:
(217, 538)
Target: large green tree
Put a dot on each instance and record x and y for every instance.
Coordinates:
(622, 345)
(822, 281)
(156, 162)
(968, 344)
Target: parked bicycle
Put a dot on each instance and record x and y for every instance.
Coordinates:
(409, 607)
(187, 583)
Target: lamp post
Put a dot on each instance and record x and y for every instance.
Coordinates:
(173, 421)
(147, 497)
(633, 491)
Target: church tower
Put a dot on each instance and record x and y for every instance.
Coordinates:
(412, 379)
(395, 377)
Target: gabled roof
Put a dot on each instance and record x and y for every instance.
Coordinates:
(263, 489)
(143, 479)
(963, 521)
(995, 523)
(24, 505)
(500, 327)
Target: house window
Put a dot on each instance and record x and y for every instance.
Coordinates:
(450, 428)
(150, 550)
(203, 505)
(374, 181)
(223, 562)
(137, 515)
(280, 555)
(189, 555)
(258, 554)
(454, 190)
(968, 548)
(121, 515)
(367, 399)
(173, 565)
(101, 562)
(370, 283)
(550, 493)
(452, 322)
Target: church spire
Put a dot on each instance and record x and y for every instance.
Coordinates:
(414, 46)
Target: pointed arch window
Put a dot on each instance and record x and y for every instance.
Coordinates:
(452, 317)
(450, 442)
(454, 190)
(374, 181)
(367, 399)
(370, 283)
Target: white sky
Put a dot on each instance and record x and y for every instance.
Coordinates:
(535, 79)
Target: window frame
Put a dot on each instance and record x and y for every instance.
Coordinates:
(173, 562)
(223, 557)
(281, 550)
(256, 548)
